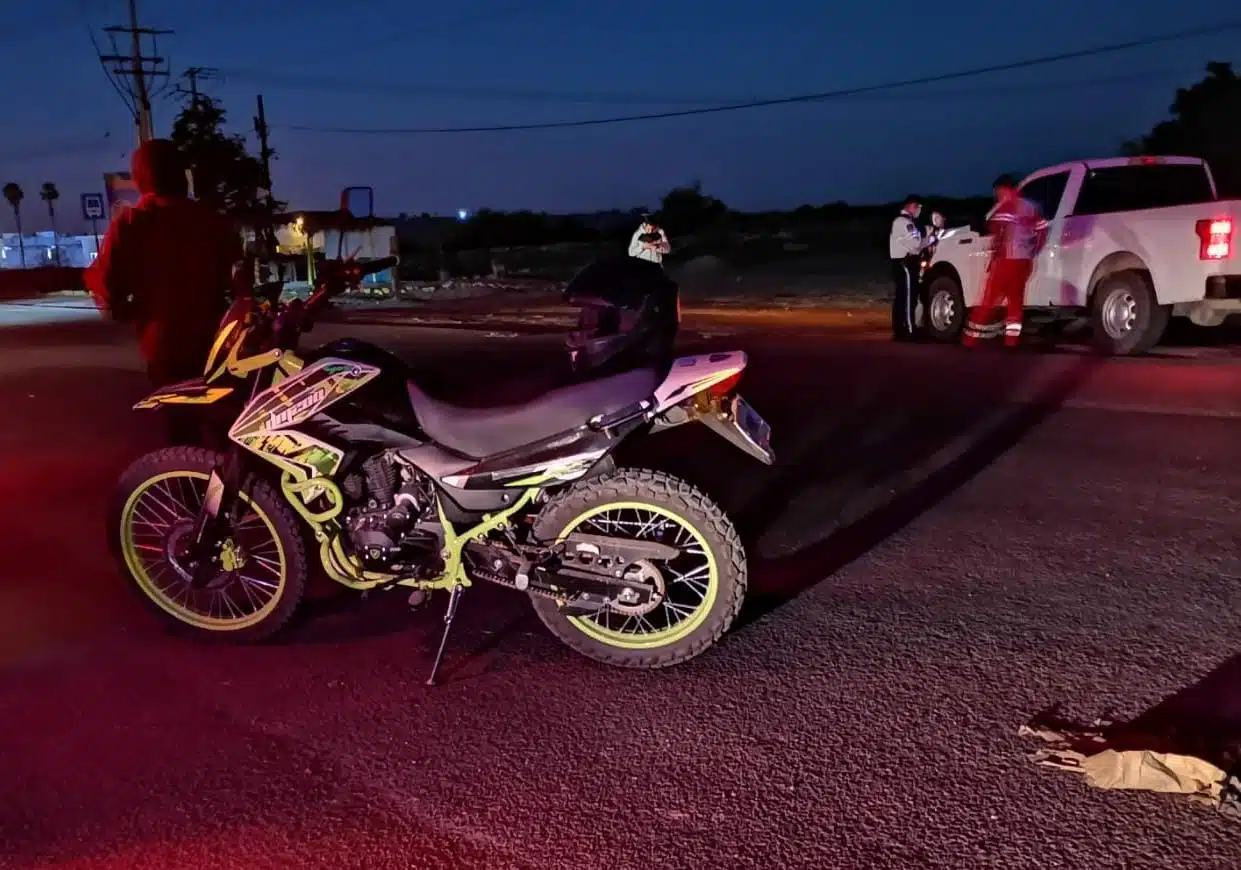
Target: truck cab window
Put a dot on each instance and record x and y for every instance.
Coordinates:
(1139, 186)
(1046, 191)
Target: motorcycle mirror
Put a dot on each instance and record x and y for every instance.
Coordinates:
(358, 202)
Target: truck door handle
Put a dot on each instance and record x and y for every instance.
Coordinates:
(965, 241)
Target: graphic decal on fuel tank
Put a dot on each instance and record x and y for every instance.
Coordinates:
(298, 398)
(295, 451)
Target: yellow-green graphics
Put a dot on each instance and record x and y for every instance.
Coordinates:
(301, 396)
(188, 393)
(292, 448)
(230, 335)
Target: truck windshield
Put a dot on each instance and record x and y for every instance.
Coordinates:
(1143, 186)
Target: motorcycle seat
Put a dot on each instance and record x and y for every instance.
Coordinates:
(482, 432)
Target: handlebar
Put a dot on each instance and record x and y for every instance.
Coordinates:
(339, 276)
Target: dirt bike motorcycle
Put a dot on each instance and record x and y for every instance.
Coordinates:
(335, 454)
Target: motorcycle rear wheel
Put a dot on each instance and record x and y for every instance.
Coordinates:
(261, 577)
(699, 593)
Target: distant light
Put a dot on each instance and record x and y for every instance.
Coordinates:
(463, 214)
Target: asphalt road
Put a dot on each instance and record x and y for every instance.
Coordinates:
(948, 544)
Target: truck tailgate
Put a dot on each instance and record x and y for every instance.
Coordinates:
(1170, 242)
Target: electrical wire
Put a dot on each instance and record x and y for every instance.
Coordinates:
(277, 82)
(296, 81)
(64, 147)
(126, 97)
(1028, 63)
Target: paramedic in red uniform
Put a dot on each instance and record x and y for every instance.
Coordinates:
(1018, 232)
(166, 266)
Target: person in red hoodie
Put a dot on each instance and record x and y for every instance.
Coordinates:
(166, 266)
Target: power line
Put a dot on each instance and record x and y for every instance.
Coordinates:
(63, 147)
(279, 82)
(92, 143)
(800, 98)
(296, 81)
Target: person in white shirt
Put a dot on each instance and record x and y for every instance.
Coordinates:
(906, 244)
(649, 242)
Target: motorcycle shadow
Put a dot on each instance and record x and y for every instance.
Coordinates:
(488, 616)
(871, 457)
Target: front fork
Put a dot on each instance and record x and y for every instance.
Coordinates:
(223, 488)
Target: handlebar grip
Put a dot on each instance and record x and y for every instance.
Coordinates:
(372, 266)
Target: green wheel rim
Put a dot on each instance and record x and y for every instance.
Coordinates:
(707, 576)
(140, 568)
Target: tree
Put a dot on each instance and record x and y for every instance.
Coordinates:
(226, 175)
(1205, 123)
(13, 193)
(49, 194)
(687, 209)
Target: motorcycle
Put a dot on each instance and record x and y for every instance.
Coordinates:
(336, 453)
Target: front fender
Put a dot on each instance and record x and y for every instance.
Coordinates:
(195, 391)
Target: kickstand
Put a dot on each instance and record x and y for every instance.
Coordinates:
(453, 600)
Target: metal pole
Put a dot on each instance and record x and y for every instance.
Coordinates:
(141, 96)
(269, 210)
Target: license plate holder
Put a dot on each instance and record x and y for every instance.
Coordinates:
(749, 425)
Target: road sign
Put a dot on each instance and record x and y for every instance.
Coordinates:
(92, 206)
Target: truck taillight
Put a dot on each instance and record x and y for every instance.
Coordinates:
(1215, 237)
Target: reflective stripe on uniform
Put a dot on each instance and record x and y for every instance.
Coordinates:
(983, 330)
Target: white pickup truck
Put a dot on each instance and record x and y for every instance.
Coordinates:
(1131, 242)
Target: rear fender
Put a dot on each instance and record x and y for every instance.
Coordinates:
(195, 391)
(701, 388)
(691, 375)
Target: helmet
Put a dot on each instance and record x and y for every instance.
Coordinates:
(628, 317)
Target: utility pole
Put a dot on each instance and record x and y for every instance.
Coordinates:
(194, 74)
(268, 234)
(134, 72)
(265, 152)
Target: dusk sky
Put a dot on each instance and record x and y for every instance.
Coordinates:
(391, 63)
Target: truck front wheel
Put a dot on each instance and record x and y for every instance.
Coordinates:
(1125, 317)
(946, 312)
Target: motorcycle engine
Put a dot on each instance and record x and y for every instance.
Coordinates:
(388, 522)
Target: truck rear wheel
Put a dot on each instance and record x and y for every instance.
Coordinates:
(1125, 317)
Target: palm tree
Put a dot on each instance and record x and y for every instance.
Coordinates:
(49, 194)
(13, 193)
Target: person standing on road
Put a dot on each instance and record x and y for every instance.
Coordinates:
(906, 243)
(1018, 232)
(166, 266)
(649, 242)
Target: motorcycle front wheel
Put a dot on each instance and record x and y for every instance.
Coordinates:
(696, 596)
(258, 573)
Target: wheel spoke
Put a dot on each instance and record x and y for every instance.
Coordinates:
(159, 518)
(684, 581)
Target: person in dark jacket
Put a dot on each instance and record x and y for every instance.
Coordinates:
(166, 266)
